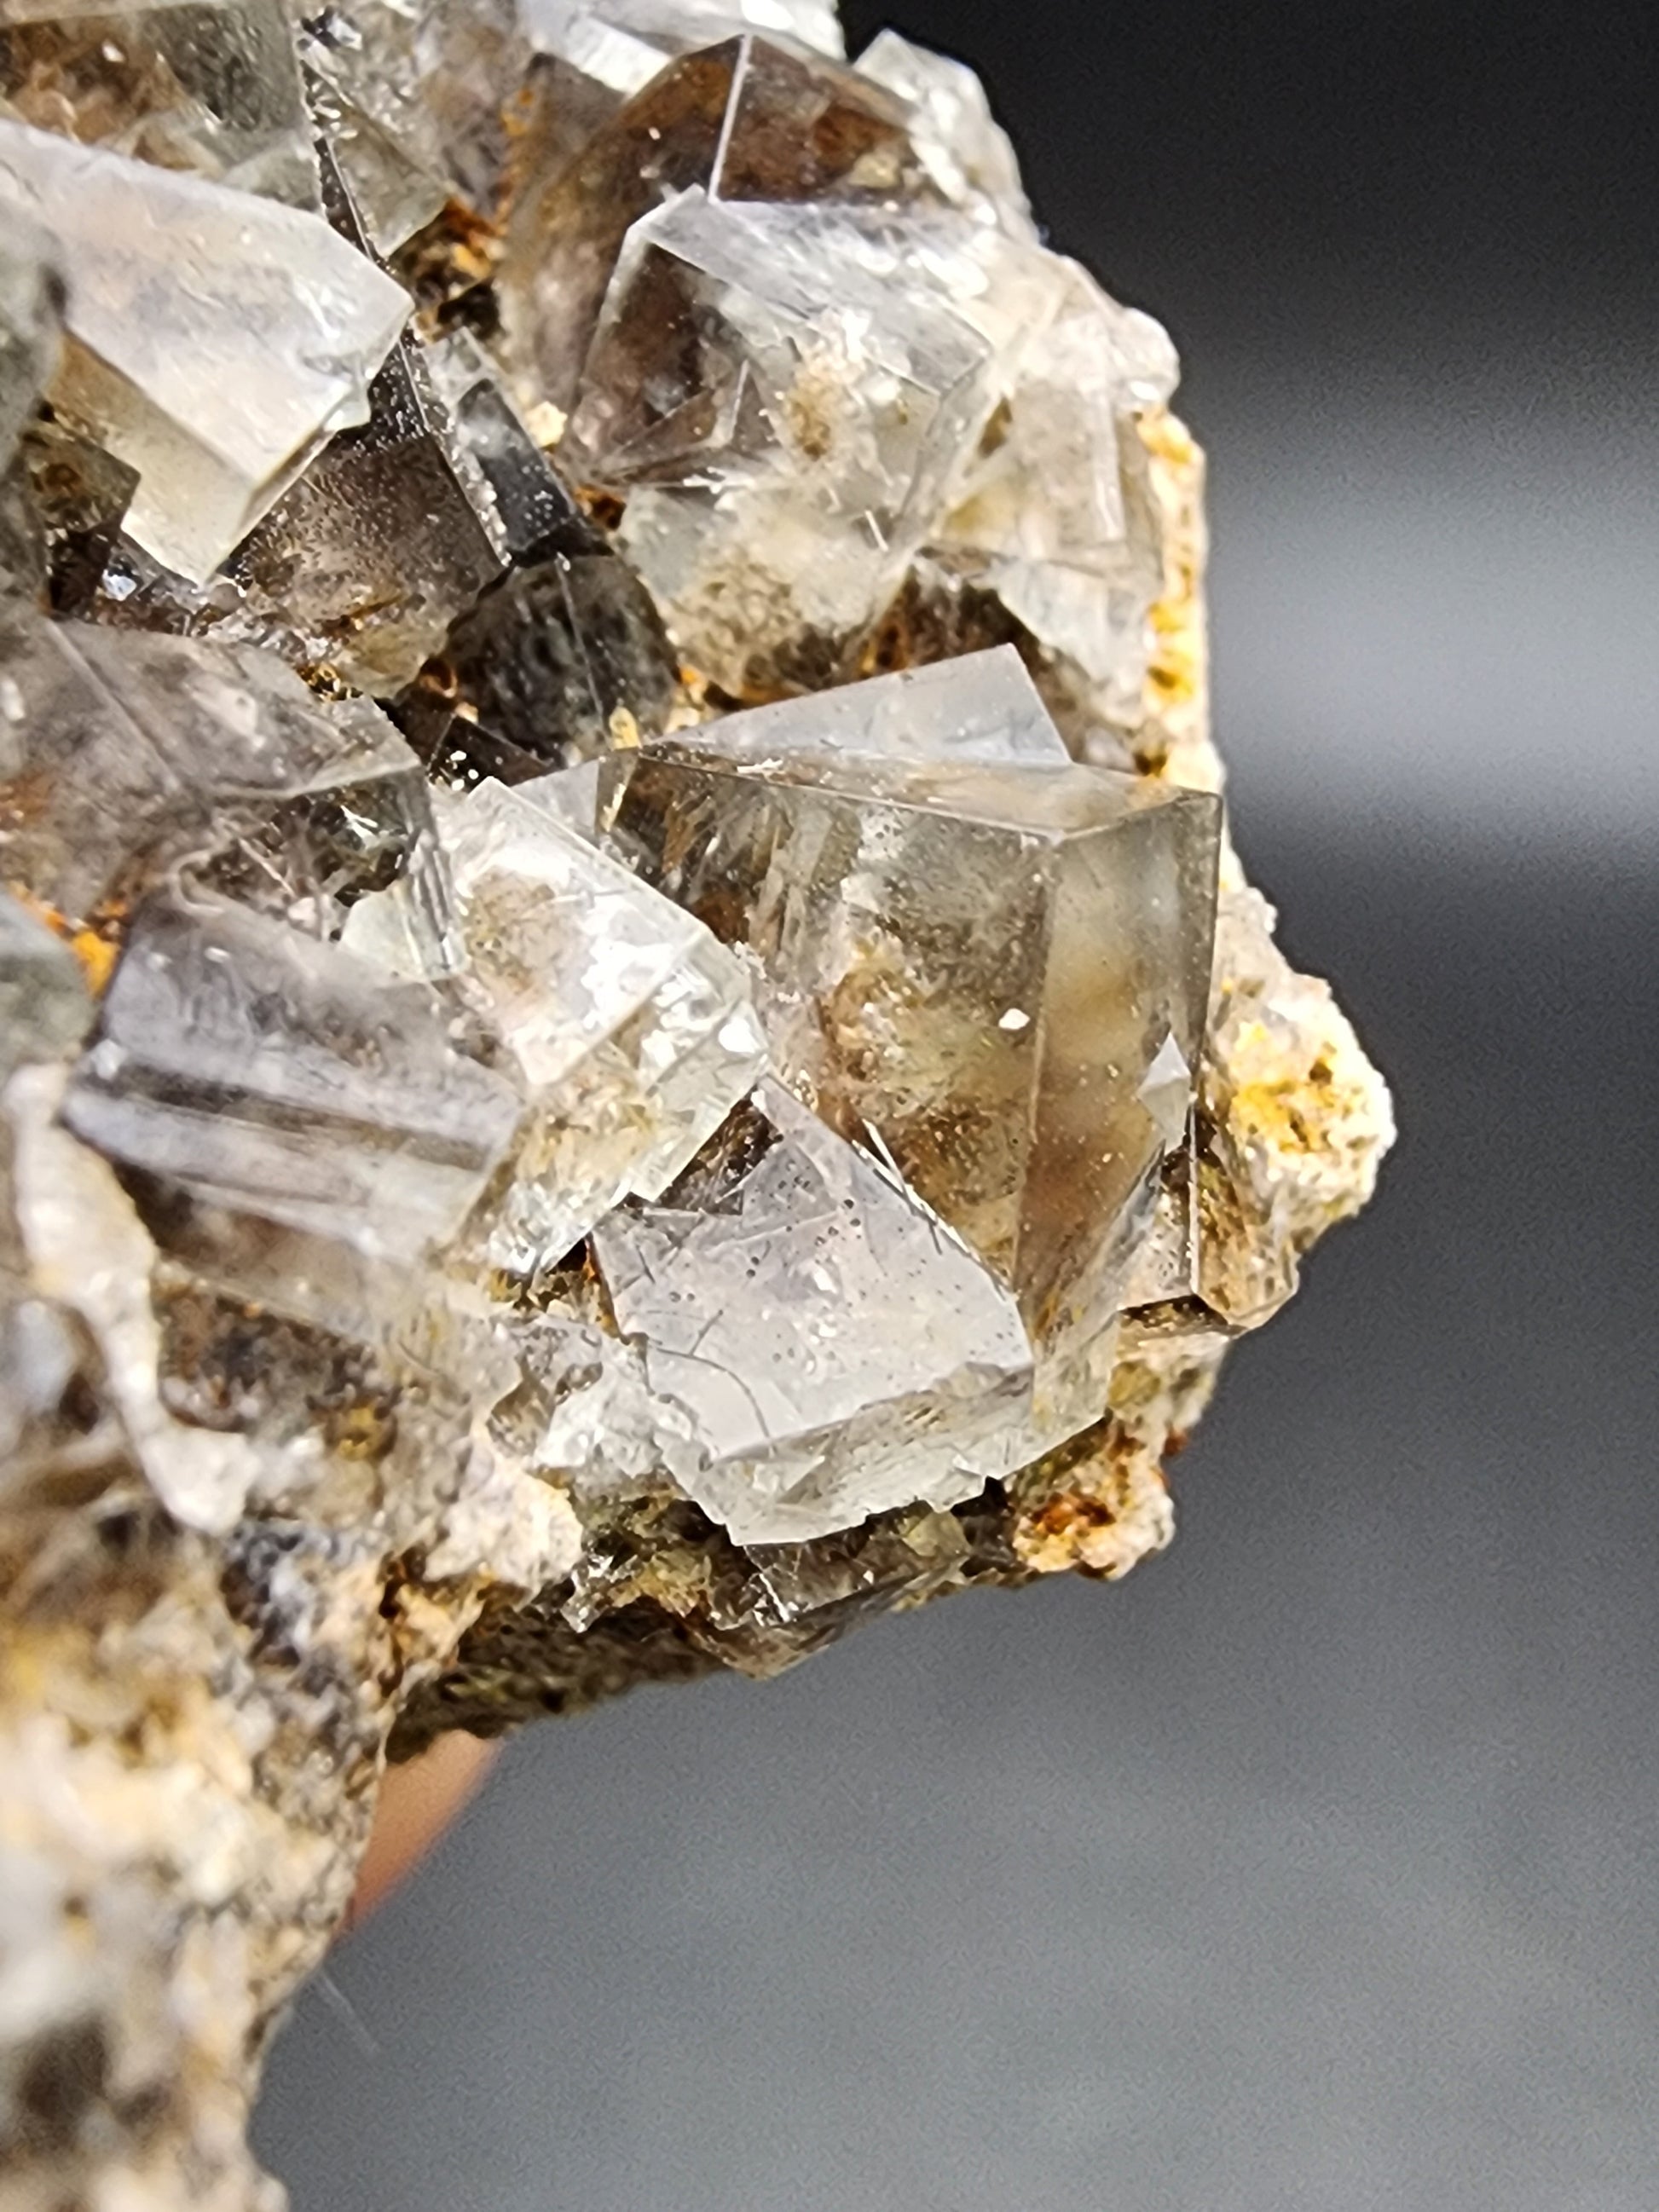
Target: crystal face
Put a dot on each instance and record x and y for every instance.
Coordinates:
(287, 1080)
(216, 339)
(628, 1030)
(633, 1029)
(784, 424)
(212, 88)
(836, 1352)
(994, 976)
(746, 120)
(124, 754)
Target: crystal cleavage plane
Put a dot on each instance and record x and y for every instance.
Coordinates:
(630, 1029)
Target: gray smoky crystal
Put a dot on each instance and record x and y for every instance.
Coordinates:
(988, 974)
(208, 86)
(141, 753)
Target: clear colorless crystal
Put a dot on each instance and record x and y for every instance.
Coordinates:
(746, 120)
(418, 100)
(216, 340)
(785, 425)
(285, 1079)
(89, 1257)
(981, 707)
(633, 1027)
(837, 1350)
(523, 505)
(1056, 515)
(965, 150)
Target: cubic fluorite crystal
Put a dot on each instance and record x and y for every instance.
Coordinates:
(739, 1285)
(993, 976)
(628, 1031)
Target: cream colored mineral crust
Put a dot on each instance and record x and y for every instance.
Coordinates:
(630, 1029)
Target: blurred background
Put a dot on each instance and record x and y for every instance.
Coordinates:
(1315, 1868)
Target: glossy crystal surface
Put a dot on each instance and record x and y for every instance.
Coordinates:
(216, 339)
(837, 1351)
(988, 975)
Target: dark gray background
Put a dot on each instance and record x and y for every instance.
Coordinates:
(1313, 1869)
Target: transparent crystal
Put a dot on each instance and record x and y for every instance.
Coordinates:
(78, 496)
(571, 795)
(634, 1029)
(212, 87)
(388, 536)
(1165, 1271)
(839, 1352)
(584, 1414)
(746, 120)
(31, 311)
(784, 424)
(982, 706)
(964, 149)
(393, 190)
(622, 44)
(280, 1077)
(420, 98)
(1057, 515)
(560, 661)
(216, 339)
(88, 1315)
(525, 507)
(44, 1007)
(974, 970)
(597, 53)
(124, 754)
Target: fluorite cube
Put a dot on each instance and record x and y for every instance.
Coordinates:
(633, 1030)
(217, 339)
(784, 423)
(208, 86)
(987, 975)
(745, 120)
(838, 1352)
(274, 1076)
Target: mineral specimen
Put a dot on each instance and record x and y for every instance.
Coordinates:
(628, 1031)
(633, 1029)
(746, 120)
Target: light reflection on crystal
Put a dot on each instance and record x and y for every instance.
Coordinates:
(838, 1352)
(217, 338)
(900, 914)
(209, 86)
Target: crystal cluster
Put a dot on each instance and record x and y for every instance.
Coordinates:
(628, 1031)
